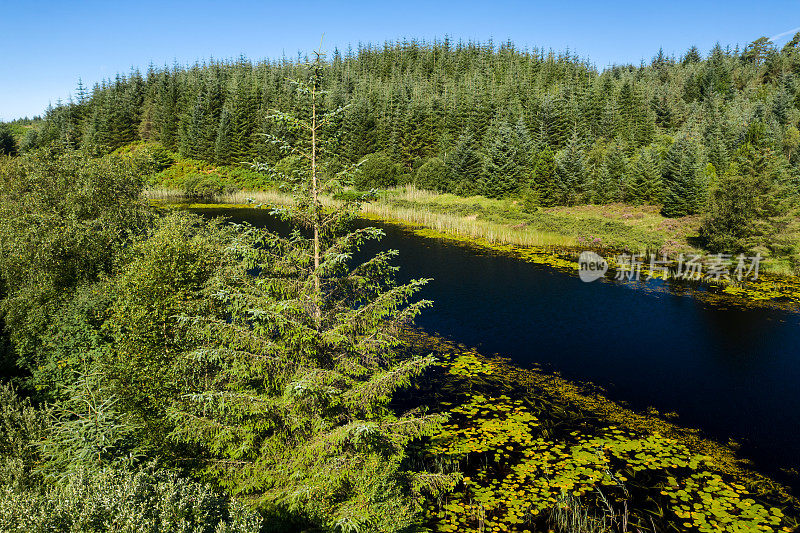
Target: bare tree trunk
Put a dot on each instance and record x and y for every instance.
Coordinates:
(314, 196)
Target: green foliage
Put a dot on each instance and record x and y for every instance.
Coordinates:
(94, 497)
(73, 339)
(290, 167)
(8, 145)
(88, 428)
(376, 171)
(198, 179)
(505, 165)
(148, 500)
(162, 277)
(747, 203)
(22, 428)
(63, 220)
(433, 175)
(455, 102)
(160, 158)
(645, 185)
(545, 181)
(571, 170)
(685, 188)
(292, 360)
(466, 165)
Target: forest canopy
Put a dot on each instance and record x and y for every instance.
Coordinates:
(478, 118)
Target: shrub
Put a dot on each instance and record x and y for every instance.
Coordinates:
(63, 219)
(21, 428)
(290, 167)
(202, 186)
(376, 171)
(157, 155)
(149, 500)
(432, 175)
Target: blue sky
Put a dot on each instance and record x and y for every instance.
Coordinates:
(48, 45)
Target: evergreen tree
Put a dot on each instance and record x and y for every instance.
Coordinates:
(243, 108)
(645, 186)
(415, 100)
(571, 173)
(684, 189)
(504, 164)
(747, 203)
(8, 145)
(293, 376)
(223, 149)
(616, 167)
(466, 165)
(545, 179)
(415, 139)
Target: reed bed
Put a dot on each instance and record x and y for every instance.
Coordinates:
(164, 194)
(467, 227)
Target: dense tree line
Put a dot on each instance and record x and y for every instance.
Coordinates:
(472, 118)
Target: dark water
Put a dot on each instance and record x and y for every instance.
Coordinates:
(733, 372)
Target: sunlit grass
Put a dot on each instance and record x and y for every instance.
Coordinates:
(640, 229)
(469, 226)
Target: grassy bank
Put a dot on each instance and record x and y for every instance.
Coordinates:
(618, 227)
(552, 236)
(609, 229)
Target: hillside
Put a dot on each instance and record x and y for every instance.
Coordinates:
(715, 137)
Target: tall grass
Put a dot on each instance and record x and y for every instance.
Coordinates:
(164, 194)
(469, 226)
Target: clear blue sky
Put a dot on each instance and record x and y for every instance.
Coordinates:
(48, 45)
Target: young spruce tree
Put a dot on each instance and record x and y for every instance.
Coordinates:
(293, 376)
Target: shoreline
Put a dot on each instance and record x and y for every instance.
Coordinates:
(770, 290)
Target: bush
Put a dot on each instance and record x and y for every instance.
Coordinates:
(201, 186)
(161, 279)
(22, 427)
(432, 175)
(182, 170)
(94, 498)
(63, 219)
(118, 500)
(376, 171)
(290, 168)
(158, 157)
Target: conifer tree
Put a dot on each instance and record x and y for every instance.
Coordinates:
(8, 145)
(572, 173)
(545, 179)
(465, 163)
(223, 150)
(243, 108)
(504, 165)
(616, 166)
(293, 376)
(747, 202)
(684, 190)
(645, 186)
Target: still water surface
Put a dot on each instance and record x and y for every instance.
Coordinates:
(733, 372)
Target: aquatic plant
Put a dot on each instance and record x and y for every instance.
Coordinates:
(531, 464)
